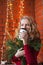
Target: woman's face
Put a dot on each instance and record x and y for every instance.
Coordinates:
(25, 24)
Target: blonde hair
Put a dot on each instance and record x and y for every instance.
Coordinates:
(33, 24)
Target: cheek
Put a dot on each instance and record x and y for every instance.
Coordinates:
(28, 28)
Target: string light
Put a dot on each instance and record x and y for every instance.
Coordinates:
(21, 8)
(9, 12)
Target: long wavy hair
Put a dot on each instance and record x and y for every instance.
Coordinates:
(34, 34)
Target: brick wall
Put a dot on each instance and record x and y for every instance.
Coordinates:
(39, 20)
(29, 8)
(2, 22)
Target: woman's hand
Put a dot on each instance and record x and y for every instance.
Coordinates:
(20, 53)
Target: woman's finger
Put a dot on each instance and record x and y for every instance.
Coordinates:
(20, 49)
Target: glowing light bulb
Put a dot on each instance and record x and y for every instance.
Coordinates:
(21, 8)
(10, 4)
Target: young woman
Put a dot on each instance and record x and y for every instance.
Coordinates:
(29, 35)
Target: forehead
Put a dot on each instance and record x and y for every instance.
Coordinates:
(25, 21)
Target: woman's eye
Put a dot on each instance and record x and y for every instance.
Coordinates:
(21, 24)
(27, 25)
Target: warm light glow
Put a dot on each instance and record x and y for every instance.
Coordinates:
(21, 6)
(9, 12)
